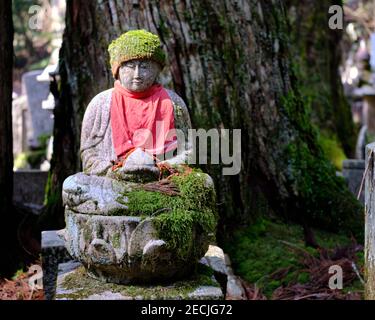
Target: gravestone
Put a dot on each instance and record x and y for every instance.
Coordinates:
(352, 171)
(53, 253)
(370, 223)
(29, 188)
(20, 124)
(37, 92)
(367, 132)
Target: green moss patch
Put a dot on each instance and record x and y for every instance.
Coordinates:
(324, 197)
(136, 44)
(82, 286)
(332, 150)
(268, 254)
(177, 217)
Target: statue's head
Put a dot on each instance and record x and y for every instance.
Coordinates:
(136, 59)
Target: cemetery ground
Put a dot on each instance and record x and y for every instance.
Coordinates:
(272, 261)
(25, 255)
(18, 288)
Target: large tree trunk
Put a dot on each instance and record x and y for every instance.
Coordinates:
(230, 61)
(6, 145)
(316, 58)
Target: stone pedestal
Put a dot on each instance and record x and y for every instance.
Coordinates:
(367, 133)
(370, 224)
(61, 277)
(53, 253)
(73, 283)
(126, 249)
(352, 171)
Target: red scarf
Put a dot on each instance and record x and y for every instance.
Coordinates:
(142, 120)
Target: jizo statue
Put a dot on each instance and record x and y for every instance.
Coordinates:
(134, 184)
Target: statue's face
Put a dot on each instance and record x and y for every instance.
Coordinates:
(138, 75)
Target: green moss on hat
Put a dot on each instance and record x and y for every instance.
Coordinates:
(135, 44)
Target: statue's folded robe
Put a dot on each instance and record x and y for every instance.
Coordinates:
(97, 149)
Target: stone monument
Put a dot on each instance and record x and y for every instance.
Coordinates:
(367, 132)
(370, 223)
(138, 213)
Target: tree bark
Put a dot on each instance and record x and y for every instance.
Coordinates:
(231, 62)
(6, 145)
(316, 58)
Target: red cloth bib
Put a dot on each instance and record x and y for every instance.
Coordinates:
(142, 120)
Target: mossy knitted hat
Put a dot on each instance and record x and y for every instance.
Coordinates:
(135, 44)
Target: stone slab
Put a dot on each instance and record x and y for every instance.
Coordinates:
(214, 258)
(29, 187)
(74, 284)
(353, 164)
(53, 253)
(41, 120)
(353, 171)
(20, 125)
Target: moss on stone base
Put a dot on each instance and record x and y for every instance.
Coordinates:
(78, 285)
(177, 217)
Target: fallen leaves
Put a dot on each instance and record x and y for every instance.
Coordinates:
(163, 186)
(166, 185)
(317, 288)
(19, 289)
(252, 291)
(318, 268)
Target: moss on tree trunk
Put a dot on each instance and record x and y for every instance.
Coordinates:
(316, 56)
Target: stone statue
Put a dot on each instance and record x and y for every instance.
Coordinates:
(129, 145)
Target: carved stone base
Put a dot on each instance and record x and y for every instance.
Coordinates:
(73, 283)
(125, 250)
